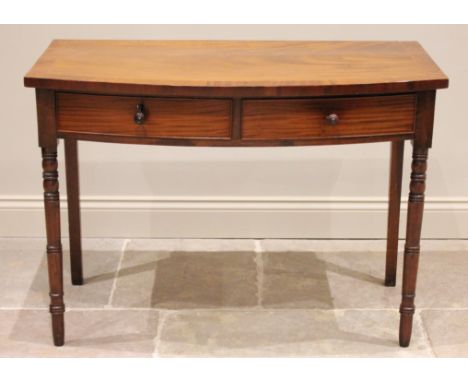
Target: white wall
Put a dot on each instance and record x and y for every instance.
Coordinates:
(333, 191)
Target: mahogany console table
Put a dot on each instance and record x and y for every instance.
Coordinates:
(235, 93)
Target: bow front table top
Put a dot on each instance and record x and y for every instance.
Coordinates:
(235, 93)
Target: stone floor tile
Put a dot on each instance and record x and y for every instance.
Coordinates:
(326, 280)
(295, 280)
(447, 331)
(305, 245)
(325, 245)
(356, 280)
(89, 333)
(100, 261)
(356, 316)
(19, 243)
(99, 245)
(444, 245)
(176, 280)
(442, 279)
(20, 260)
(191, 245)
(287, 333)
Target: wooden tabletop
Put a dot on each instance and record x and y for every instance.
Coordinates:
(249, 67)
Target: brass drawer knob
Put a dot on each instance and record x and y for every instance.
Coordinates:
(332, 119)
(140, 114)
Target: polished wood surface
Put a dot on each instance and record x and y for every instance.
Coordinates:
(46, 127)
(232, 93)
(45, 103)
(412, 244)
(243, 68)
(308, 118)
(222, 142)
(421, 144)
(164, 118)
(394, 202)
(54, 245)
(73, 201)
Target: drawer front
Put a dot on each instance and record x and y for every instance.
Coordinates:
(327, 118)
(163, 117)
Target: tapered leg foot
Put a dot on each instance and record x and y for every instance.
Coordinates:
(413, 236)
(54, 246)
(77, 281)
(73, 199)
(394, 197)
(58, 329)
(406, 325)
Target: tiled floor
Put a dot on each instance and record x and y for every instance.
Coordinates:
(175, 298)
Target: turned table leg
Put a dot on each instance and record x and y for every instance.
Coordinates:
(73, 200)
(54, 246)
(413, 236)
(394, 196)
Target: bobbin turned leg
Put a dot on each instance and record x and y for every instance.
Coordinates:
(73, 200)
(413, 235)
(394, 201)
(54, 247)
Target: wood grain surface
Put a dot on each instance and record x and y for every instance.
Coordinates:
(235, 93)
(74, 218)
(164, 118)
(394, 203)
(307, 118)
(242, 68)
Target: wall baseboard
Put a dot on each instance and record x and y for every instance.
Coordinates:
(233, 217)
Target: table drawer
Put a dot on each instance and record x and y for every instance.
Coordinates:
(161, 118)
(327, 118)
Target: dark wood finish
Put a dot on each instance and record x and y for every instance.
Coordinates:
(236, 120)
(425, 119)
(206, 142)
(394, 202)
(54, 245)
(163, 118)
(45, 101)
(236, 68)
(421, 144)
(312, 118)
(232, 93)
(73, 200)
(412, 245)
